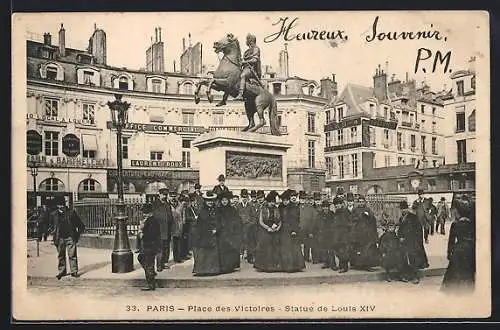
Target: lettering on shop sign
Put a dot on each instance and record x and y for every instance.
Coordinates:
(156, 163)
(59, 120)
(154, 174)
(161, 128)
(55, 161)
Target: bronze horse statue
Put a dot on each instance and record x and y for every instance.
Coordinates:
(227, 78)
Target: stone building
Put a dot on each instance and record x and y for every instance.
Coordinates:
(391, 123)
(70, 134)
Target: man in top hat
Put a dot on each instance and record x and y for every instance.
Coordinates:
(421, 211)
(248, 215)
(198, 201)
(410, 234)
(294, 197)
(341, 193)
(253, 196)
(162, 212)
(310, 230)
(317, 199)
(149, 237)
(344, 224)
(221, 187)
(66, 232)
(443, 214)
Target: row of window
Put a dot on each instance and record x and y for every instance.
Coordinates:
(51, 143)
(51, 109)
(54, 184)
(401, 143)
(345, 164)
(341, 136)
(92, 78)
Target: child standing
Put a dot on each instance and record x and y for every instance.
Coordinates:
(391, 253)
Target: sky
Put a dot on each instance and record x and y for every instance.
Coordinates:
(354, 61)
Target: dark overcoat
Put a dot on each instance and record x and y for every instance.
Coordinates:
(410, 230)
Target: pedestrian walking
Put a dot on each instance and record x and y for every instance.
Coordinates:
(391, 252)
(67, 230)
(443, 214)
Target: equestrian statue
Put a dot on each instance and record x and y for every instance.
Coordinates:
(240, 78)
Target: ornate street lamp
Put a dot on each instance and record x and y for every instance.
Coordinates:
(122, 258)
(34, 172)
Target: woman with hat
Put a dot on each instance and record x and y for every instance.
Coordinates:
(267, 258)
(206, 238)
(461, 270)
(230, 235)
(411, 236)
(292, 259)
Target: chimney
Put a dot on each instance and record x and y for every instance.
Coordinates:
(328, 88)
(406, 76)
(47, 39)
(95, 26)
(156, 35)
(174, 67)
(62, 41)
(159, 34)
(183, 45)
(380, 84)
(189, 35)
(472, 64)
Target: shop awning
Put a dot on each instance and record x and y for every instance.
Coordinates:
(89, 142)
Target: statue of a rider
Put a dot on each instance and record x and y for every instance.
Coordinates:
(251, 66)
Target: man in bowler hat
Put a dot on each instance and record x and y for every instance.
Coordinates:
(150, 244)
(67, 230)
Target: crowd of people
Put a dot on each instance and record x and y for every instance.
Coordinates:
(281, 233)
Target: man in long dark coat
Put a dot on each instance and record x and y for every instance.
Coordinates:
(364, 238)
(327, 217)
(420, 209)
(247, 212)
(150, 243)
(163, 213)
(343, 231)
(309, 224)
(230, 236)
(410, 234)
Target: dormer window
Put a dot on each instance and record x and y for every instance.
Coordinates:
(277, 88)
(188, 88)
(87, 77)
(473, 82)
(311, 90)
(123, 83)
(340, 113)
(51, 73)
(156, 84)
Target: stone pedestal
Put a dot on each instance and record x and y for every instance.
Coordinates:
(247, 160)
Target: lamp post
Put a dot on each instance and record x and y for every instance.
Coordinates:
(122, 258)
(34, 172)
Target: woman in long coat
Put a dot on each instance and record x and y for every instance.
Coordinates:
(364, 238)
(267, 256)
(230, 237)
(206, 249)
(460, 274)
(292, 259)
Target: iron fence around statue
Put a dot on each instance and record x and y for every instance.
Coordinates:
(98, 215)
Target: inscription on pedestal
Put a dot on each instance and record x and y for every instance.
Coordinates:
(246, 165)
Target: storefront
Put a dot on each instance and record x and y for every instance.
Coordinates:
(149, 181)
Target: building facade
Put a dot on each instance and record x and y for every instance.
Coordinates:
(391, 124)
(71, 137)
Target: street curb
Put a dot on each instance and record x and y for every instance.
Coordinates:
(211, 282)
